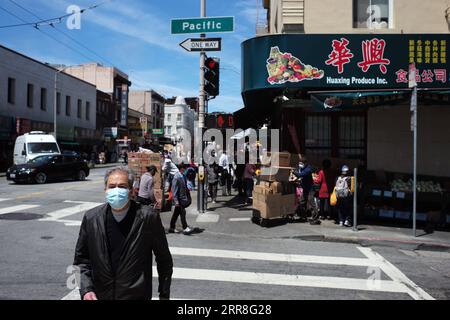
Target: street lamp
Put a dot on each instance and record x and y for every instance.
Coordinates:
(55, 98)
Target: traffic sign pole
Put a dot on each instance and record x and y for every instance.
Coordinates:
(201, 114)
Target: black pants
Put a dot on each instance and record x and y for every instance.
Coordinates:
(325, 207)
(212, 188)
(178, 211)
(344, 206)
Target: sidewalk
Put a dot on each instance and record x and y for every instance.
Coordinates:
(368, 234)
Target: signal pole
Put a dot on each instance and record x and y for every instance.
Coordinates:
(201, 115)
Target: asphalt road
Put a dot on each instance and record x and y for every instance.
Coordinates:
(230, 260)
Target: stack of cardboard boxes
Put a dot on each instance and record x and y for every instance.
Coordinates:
(139, 161)
(274, 196)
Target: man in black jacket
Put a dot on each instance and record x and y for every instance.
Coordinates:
(115, 245)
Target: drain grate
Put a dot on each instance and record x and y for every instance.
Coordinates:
(21, 216)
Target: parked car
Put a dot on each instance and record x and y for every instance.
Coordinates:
(45, 168)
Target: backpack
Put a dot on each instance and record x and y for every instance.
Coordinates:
(342, 187)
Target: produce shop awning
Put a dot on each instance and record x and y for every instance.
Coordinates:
(351, 100)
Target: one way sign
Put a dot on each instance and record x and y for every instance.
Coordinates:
(202, 44)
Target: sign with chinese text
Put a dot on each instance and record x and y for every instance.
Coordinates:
(372, 61)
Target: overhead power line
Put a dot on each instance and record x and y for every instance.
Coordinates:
(48, 35)
(65, 33)
(51, 21)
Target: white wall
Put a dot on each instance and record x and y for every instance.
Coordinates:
(390, 140)
(25, 71)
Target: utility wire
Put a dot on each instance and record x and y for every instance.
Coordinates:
(65, 33)
(49, 21)
(48, 35)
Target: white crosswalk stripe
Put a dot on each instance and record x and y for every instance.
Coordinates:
(18, 208)
(56, 215)
(2, 199)
(398, 282)
(80, 207)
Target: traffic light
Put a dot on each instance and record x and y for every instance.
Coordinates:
(212, 67)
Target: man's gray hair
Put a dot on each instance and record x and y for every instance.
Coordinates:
(124, 170)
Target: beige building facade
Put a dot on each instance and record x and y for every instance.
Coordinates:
(357, 16)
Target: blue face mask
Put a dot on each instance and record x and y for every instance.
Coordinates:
(117, 198)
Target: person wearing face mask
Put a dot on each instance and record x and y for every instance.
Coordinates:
(116, 243)
(304, 173)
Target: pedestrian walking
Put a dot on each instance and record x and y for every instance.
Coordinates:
(146, 195)
(116, 243)
(249, 173)
(344, 196)
(213, 180)
(226, 174)
(181, 200)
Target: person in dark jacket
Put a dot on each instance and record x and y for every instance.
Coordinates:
(115, 245)
(181, 200)
(304, 173)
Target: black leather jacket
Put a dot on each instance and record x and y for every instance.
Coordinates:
(133, 279)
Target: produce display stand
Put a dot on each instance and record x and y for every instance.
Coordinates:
(392, 201)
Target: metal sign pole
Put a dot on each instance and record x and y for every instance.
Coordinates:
(414, 106)
(413, 84)
(355, 201)
(201, 111)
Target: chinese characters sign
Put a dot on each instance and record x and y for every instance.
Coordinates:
(377, 61)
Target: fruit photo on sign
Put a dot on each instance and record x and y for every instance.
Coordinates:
(284, 67)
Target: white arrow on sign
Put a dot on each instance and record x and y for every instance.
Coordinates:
(202, 44)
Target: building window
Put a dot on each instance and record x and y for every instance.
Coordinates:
(68, 106)
(43, 99)
(169, 130)
(318, 135)
(179, 117)
(30, 94)
(352, 137)
(58, 102)
(88, 110)
(11, 90)
(168, 117)
(158, 111)
(79, 108)
(373, 14)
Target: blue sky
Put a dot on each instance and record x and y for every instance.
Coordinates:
(135, 36)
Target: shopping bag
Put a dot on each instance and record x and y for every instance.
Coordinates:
(333, 198)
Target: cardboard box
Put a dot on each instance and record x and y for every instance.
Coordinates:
(279, 159)
(280, 174)
(274, 205)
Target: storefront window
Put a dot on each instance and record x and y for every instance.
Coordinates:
(372, 14)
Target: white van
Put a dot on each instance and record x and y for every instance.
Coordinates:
(34, 144)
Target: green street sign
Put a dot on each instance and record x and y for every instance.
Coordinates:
(158, 131)
(203, 25)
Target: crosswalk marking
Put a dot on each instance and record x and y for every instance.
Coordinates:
(207, 217)
(80, 207)
(17, 208)
(395, 274)
(398, 282)
(251, 255)
(284, 280)
(3, 199)
(240, 219)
